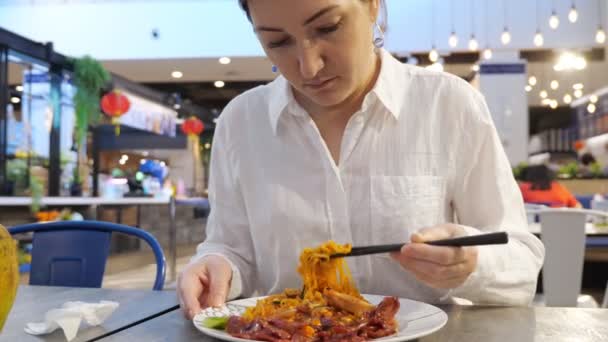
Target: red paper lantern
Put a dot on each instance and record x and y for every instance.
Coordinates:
(193, 126)
(114, 104)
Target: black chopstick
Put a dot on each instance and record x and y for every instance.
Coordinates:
(473, 240)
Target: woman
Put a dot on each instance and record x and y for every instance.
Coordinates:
(538, 186)
(351, 145)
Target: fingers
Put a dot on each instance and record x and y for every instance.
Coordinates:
(432, 271)
(219, 284)
(440, 232)
(190, 286)
(436, 254)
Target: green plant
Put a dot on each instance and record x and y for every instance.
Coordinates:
(517, 170)
(596, 169)
(16, 170)
(36, 189)
(569, 170)
(90, 77)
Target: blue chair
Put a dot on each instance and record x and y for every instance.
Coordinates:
(585, 200)
(74, 253)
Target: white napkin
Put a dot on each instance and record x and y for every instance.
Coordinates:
(69, 316)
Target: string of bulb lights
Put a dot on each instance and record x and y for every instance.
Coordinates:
(567, 61)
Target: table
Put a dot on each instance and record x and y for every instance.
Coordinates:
(590, 229)
(465, 323)
(33, 301)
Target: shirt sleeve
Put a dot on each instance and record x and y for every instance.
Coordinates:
(486, 198)
(228, 232)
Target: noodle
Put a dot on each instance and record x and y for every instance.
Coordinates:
(319, 273)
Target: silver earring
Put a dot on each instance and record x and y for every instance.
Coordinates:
(379, 37)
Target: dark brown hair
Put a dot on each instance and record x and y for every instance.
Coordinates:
(381, 20)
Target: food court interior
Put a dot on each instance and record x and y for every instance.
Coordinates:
(108, 111)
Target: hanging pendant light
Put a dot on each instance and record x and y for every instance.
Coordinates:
(505, 37)
(554, 21)
(433, 55)
(573, 13)
(487, 53)
(600, 34)
(473, 44)
(453, 40)
(538, 39)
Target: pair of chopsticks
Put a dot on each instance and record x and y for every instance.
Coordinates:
(473, 240)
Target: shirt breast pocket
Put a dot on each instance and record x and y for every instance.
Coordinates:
(401, 205)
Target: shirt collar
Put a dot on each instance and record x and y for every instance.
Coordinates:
(389, 90)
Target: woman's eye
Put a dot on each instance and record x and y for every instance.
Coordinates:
(330, 29)
(278, 43)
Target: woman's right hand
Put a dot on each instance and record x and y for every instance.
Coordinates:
(204, 283)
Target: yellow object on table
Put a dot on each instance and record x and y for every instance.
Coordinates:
(9, 274)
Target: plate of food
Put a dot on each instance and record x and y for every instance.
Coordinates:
(328, 307)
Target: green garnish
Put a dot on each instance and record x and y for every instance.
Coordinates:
(218, 323)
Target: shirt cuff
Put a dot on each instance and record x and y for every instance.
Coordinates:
(476, 280)
(236, 283)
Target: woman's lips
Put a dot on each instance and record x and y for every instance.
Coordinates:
(320, 84)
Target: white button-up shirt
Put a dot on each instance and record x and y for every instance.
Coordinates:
(422, 151)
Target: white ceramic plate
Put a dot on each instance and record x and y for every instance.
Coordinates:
(416, 319)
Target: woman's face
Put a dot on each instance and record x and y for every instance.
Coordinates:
(322, 47)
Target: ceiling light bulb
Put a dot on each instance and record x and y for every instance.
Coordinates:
(593, 98)
(225, 60)
(554, 84)
(538, 39)
(219, 84)
(546, 102)
(591, 108)
(475, 67)
(578, 93)
(433, 55)
(532, 80)
(573, 14)
(567, 99)
(600, 35)
(553, 21)
(553, 104)
(528, 88)
(576, 86)
(453, 40)
(487, 53)
(15, 100)
(177, 74)
(473, 44)
(19, 88)
(505, 37)
(543, 94)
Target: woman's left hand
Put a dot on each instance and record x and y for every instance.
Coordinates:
(438, 266)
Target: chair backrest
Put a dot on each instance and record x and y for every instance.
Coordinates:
(563, 234)
(74, 253)
(585, 200)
